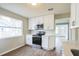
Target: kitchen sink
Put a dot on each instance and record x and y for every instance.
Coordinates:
(75, 52)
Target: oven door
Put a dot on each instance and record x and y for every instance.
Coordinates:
(36, 40)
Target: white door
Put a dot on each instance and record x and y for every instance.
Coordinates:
(62, 34)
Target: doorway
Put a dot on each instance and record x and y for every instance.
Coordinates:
(62, 34)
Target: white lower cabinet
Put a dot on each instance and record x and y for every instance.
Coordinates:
(29, 39)
(45, 42)
(48, 42)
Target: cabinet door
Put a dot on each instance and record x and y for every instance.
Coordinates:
(29, 22)
(49, 22)
(40, 20)
(46, 20)
(45, 42)
(32, 23)
(29, 40)
(51, 42)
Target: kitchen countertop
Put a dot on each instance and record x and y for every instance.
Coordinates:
(70, 45)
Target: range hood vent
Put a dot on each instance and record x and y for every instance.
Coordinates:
(50, 9)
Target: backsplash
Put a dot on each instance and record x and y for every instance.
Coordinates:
(51, 32)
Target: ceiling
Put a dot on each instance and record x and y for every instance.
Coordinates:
(28, 10)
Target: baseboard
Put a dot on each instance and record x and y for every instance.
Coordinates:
(11, 50)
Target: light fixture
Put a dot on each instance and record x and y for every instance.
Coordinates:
(34, 4)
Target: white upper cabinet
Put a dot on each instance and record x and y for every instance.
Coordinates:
(40, 20)
(32, 23)
(47, 21)
(48, 42)
(29, 24)
(74, 21)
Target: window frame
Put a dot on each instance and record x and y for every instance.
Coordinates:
(10, 27)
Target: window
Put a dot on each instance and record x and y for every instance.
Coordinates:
(10, 27)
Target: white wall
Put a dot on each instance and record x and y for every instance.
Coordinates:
(12, 43)
(62, 20)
